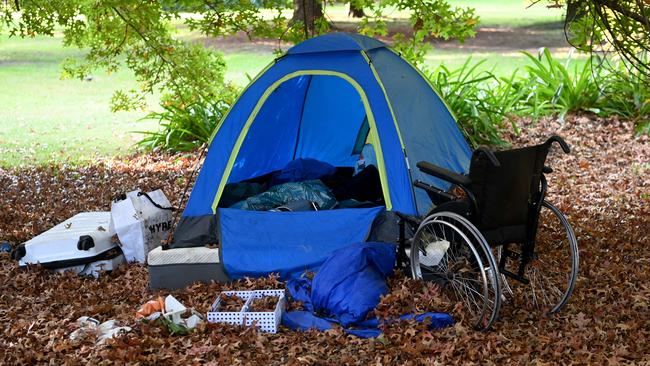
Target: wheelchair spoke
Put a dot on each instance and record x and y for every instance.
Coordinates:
(553, 271)
(468, 293)
(544, 284)
(448, 248)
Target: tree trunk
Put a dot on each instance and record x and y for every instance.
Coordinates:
(356, 12)
(306, 12)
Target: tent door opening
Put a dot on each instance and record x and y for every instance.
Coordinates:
(310, 114)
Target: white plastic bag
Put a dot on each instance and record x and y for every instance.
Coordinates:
(139, 224)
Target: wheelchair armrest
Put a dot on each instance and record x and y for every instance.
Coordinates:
(436, 195)
(444, 174)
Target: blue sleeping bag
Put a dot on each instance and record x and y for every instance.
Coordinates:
(352, 280)
(347, 287)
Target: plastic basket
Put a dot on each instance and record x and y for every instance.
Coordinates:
(267, 321)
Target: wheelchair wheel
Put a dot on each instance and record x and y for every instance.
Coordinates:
(448, 250)
(554, 268)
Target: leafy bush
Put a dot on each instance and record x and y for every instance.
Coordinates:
(460, 89)
(482, 102)
(627, 94)
(603, 86)
(183, 128)
(479, 100)
(554, 88)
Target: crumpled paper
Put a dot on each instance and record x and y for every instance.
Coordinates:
(87, 327)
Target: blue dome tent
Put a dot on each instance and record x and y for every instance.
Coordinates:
(315, 102)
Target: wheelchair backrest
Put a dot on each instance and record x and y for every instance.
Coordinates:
(507, 195)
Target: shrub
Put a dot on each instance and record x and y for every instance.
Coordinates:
(479, 100)
(601, 86)
(183, 128)
(482, 102)
(627, 94)
(554, 88)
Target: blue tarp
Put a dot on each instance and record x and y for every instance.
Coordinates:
(256, 243)
(346, 288)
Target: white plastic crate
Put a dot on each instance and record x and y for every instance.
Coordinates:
(267, 321)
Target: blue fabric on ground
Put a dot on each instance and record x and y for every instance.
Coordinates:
(300, 289)
(256, 243)
(352, 280)
(306, 320)
(347, 287)
(438, 320)
(302, 169)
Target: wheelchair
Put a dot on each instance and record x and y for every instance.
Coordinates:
(495, 235)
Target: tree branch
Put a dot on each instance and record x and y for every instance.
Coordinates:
(615, 6)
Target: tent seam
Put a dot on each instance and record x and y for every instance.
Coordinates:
(366, 56)
(302, 114)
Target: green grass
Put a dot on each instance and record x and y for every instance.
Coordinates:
(511, 13)
(244, 66)
(46, 119)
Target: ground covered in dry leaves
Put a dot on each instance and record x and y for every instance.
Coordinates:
(603, 187)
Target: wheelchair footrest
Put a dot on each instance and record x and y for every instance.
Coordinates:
(510, 254)
(515, 276)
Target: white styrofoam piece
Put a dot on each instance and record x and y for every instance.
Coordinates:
(266, 321)
(193, 321)
(173, 305)
(160, 257)
(174, 311)
(60, 242)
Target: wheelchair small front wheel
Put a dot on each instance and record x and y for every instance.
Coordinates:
(553, 270)
(448, 250)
